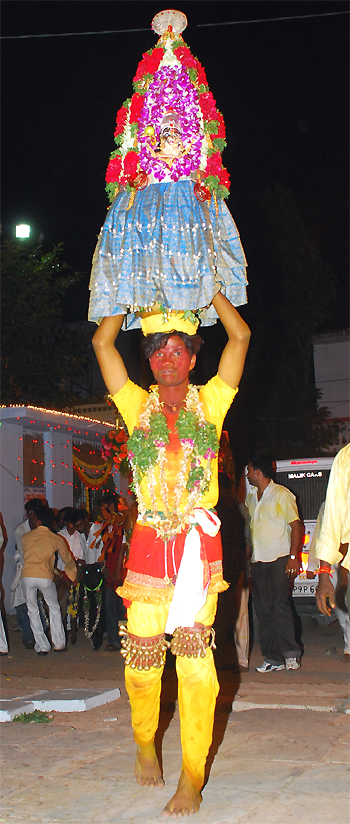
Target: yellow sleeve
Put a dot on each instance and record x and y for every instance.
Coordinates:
(288, 506)
(67, 558)
(335, 528)
(216, 397)
(130, 400)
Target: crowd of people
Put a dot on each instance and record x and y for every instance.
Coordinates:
(54, 550)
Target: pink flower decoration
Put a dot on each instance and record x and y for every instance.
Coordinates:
(171, 88)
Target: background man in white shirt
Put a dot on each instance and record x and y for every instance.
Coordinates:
(276, 533)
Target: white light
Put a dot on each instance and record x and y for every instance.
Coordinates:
(23, 230)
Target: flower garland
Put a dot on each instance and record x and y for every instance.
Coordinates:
(114, 448)
(87, 603)
(147, 449)
(168, 76)
(73, 601)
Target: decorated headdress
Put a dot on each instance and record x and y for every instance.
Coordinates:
(169, 80)
(171, 321)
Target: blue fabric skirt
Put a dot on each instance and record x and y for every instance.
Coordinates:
(166, 248)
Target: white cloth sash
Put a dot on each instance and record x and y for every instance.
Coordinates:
(189, 594)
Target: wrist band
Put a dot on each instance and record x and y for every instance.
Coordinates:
(323, 569)
(293, 557)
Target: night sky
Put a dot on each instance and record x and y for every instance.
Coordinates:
(282, 88)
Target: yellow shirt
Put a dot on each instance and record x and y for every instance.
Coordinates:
(39, 547)
(216, 398)
(335, 528)
(269, 521)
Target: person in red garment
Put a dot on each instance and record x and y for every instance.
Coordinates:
(174, 571)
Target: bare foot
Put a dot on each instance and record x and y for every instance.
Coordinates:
(185, 801)
(147, 772)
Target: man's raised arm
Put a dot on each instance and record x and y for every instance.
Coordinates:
(110, 362)
(233, 357)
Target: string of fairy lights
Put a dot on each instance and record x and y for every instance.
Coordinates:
(36, 480)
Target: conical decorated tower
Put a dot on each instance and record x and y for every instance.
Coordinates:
(169, 240)
(169, 78)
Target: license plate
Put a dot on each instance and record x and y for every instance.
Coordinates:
(305, 589)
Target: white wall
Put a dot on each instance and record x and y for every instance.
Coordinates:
(11, 495)
(58, 467)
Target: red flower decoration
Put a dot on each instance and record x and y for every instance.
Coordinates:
(221, 132)
(113, 169)
(208, 107)
(149, 64)
(213, 166)
(186, 58)
(121, 120)
(224, 178)
(130, 163)
(201, 75)
(136, 107)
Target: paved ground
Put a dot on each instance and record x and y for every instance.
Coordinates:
(268, 763)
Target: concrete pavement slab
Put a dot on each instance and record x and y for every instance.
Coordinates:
(265, 765)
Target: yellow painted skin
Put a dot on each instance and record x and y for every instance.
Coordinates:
(197, 689)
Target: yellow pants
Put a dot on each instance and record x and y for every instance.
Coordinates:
(197, 689)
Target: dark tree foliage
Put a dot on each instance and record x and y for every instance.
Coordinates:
(39, 352)
(291, 292)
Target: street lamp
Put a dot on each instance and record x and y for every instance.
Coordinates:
(23, 230)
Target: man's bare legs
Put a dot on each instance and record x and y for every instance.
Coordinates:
(186, 800)
(147, 770)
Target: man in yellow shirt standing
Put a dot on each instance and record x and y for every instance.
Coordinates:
(174, 571)
(332, 546)
(275, 528)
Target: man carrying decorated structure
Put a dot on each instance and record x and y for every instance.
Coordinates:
(168, 255)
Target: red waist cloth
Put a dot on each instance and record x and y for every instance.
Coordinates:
(149, 555)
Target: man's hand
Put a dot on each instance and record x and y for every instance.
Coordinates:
(292, 568)
(325, 590)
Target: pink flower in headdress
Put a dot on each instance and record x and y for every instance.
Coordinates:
(214, 164)
(149, 64)
(113, 169)
(208, 107)
(171, 89)
(136, 107)
(121, 120)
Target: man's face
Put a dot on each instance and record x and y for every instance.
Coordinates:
(33, 521)
(172, 363)
(251, 475)
(80, 525)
